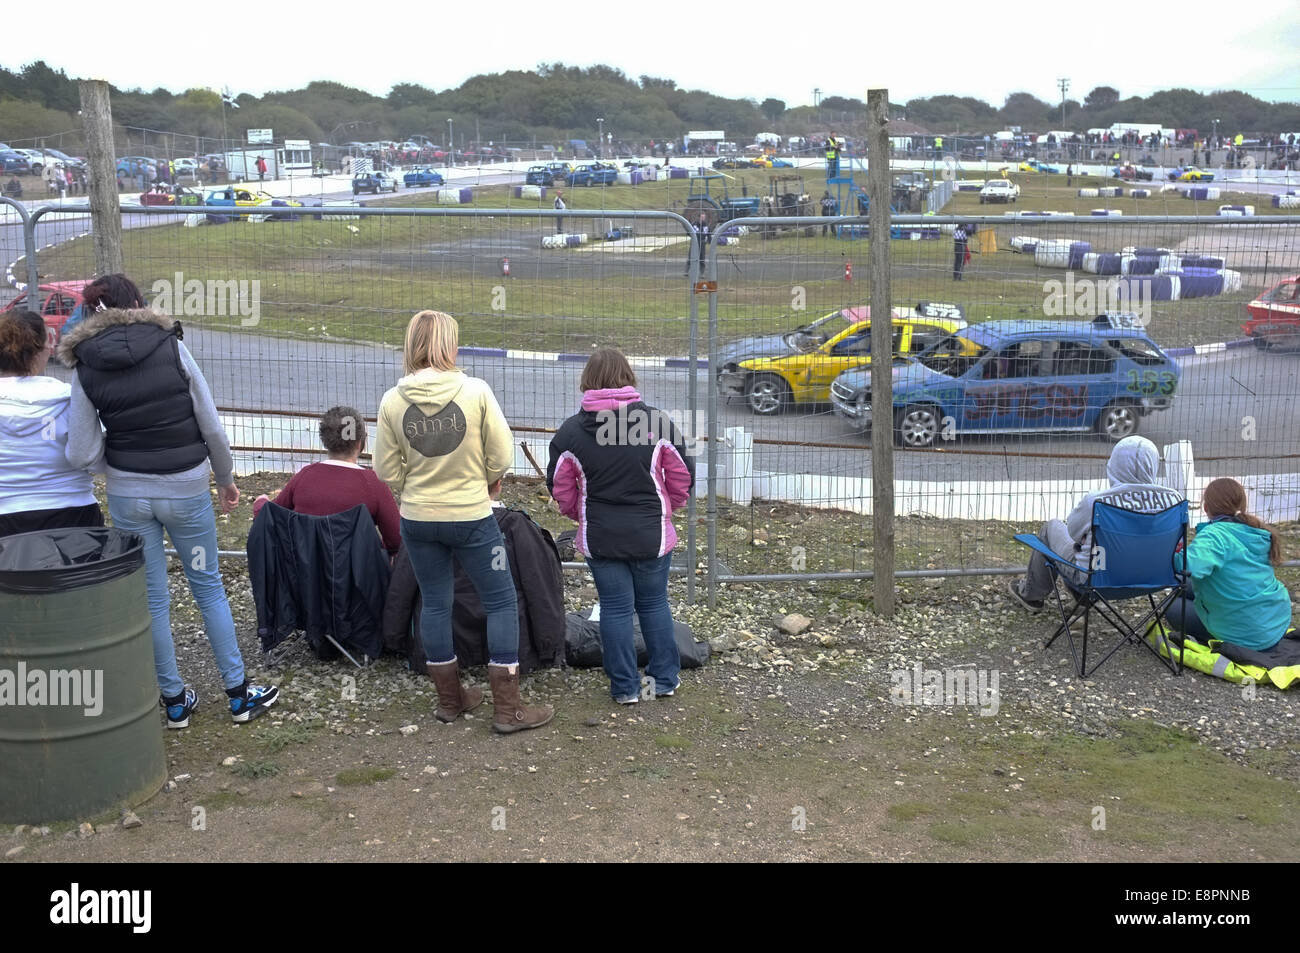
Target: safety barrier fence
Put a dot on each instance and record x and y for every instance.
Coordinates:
(290, 310)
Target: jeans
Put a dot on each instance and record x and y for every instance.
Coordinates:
(1038, 581)
(193, 530)
(640, 585)
(480, 549)
(1192, 624)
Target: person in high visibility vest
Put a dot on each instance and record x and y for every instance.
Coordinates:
(832, 156)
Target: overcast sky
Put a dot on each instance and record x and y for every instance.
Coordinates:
(780, 50)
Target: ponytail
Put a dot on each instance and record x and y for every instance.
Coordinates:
(1226, 497)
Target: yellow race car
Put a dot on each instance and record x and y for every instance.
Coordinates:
(1193, 174)
(237, 195)
(809, 359)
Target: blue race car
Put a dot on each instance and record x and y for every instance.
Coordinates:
(542, 175)
(422, 178)
(1022, 377)
(592, 174)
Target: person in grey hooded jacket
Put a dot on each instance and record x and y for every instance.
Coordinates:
(1132, 469)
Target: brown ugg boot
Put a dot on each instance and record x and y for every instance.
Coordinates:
(511, 713)
(453, 697)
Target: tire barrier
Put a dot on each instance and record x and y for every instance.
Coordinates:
(1111, 191)
(1143, 251)
(1061, 253)
(1024, 244)
(1106, 212)
(564, 241)
(455, 196)
(530, 191)
(970, 185)
(1140, 265)
(1203, 261)
(729, 240)
(1152, 287)
(1286, 201)
(1231, 280)
(1201, 193)
(1089, 193)
(676, 173)
(1053, 253)
(1102, 263)
(1140, 193)
(1236, 210)
(1198, 282)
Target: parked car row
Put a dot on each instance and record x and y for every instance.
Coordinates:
(35, 161)
(950, 378)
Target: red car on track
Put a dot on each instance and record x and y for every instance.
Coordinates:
(1275, 316)
(58, 300)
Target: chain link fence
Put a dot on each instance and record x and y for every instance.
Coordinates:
(1009, 394)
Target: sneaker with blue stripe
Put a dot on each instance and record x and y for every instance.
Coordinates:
(178, 715)
(255, 700)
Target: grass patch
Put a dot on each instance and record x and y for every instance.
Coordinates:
(255, 770)
(361, 777)
(676, 742)
(282, 736)
(909, 810)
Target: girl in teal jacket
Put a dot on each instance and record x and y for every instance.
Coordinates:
(1237, 597)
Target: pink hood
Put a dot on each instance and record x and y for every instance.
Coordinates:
(609, 398)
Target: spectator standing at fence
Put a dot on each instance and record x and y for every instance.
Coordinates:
(39, 489)
(559, 206)
(140, 401)
(1069, 175)
(619, 468)
(1236, 595)
(261, 169)
(442, 443)
(960, 251)
(1132, 469)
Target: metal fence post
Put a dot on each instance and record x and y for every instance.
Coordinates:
(882, 390)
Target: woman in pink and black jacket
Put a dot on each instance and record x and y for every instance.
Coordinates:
(619, 468)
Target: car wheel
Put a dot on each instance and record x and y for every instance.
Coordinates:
(767, 394)
(1118, 421)
(1262, 343)
(917, 425)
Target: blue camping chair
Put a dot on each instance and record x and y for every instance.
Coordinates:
(1132, 557)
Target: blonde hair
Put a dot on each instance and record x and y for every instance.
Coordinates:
(432, 340)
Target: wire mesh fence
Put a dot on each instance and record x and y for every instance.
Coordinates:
(1025, 345)
(1008, 397)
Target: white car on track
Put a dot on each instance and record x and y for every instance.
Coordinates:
(999, 190)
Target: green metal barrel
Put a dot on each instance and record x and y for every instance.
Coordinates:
(80, 732)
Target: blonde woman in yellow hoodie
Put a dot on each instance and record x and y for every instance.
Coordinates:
(442, 441)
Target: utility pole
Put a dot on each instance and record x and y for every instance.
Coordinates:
(1064, 85)
(817, 102)
(105, 213)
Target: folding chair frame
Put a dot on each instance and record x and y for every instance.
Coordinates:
(1087, 599)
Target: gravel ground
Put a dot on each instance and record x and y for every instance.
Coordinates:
(939, 624)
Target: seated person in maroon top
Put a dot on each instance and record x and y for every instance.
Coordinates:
(339, 483)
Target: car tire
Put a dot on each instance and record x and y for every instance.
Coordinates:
(1118, 420)
(1262, 343)
(917, 426)
(767, 394)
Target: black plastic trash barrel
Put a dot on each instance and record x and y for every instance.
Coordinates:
(80, 731)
